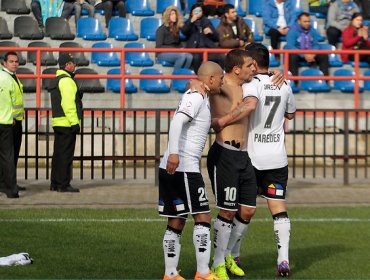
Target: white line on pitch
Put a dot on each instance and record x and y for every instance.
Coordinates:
(153, 220)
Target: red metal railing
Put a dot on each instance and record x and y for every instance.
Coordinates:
(38, 75)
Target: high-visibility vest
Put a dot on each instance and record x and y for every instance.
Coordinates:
(7, 98)
(18, 107)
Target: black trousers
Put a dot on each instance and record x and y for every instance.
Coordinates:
(322, 60)
(219, 58)
(109, 7)
(17, 140)
(275, 36)
(333, 35)
(64, 148)
(7, 166)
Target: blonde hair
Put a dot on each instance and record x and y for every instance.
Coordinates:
(174, 28)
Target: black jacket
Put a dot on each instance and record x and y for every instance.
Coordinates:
(193, 32)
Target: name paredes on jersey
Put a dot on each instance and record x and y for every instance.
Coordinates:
(270, 87)
(267, 138)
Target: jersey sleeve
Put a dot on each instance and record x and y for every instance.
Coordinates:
(291, 107)
(190, 104)
(251, 89)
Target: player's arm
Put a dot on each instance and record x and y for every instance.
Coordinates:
(242, 110)
(176, 126)
(290, 106)
(289, 116)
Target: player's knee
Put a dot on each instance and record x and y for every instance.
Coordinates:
(280, 215)
(246, 213)
(229, 215)
(177, 224)
(203, 218)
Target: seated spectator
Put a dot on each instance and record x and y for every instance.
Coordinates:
(233, 32)
(302, 37)
(319, 6)
(75, 6)
(278, 17)
(109, 6)
(168, 36)
(356, 37)
(339, 17)
(42, 9)
(200, 33)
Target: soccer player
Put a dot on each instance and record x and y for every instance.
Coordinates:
(181, 187)
(229, 166)
(268, 106)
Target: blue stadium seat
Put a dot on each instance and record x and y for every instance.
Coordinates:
(165, 63)
(104, 58)
(137, 58)
(363, 64)
(255, 7)
(334, 59)
(215, 22)
(115, 84)
(315, 86)
(163, 4)
(367, 83)
(346, 86)
(148, 28)
(293, 83)
(252, 25)
(90, 29)
(121, 29)
(238, 6)
(180, 85)
(153, 85)
(139, 8)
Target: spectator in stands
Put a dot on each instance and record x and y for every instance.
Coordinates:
(233, 32)
(302, 37)
(109, 6)
(42, 9)
(168, 36)
(75, 6)
(319, 6)
(356, 37)
(339, 17)
(278, 17)
(200, 33)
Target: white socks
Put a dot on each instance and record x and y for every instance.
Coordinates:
(171, 250)
(202, 245)
(282, 235)
(222, 231)
(238, 230)
(16, 259)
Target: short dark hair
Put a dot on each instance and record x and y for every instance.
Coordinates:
(259, 53)
(355, 15)
(9, 53)
(228, 7)
(303, 14)
(235, 58)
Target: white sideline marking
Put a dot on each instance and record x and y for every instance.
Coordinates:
(154, 220)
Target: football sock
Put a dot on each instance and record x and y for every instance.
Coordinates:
(222, 231)
(171, 250)
(238, 230)
(282, 235)
(202, 245)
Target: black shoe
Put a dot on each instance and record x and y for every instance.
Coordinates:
(68, 189)
(12, 195)
(53, 188)
(21, 188)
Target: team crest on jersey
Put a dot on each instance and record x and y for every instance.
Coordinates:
(275, 189)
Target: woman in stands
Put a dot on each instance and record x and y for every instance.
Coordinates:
(356, 37)
(168, 36)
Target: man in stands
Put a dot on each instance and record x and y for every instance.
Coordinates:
(302, 37)
(75, 6)
(233, 32)
(109, 6)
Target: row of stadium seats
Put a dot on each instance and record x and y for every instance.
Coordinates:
(160, 86)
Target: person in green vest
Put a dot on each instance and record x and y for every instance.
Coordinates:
(8, 99)
(66, 107)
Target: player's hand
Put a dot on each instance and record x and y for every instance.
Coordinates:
(278, 78)
(172, 163)
(217, 124)
(196, 85)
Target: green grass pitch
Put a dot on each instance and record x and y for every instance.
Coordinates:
(326, 243)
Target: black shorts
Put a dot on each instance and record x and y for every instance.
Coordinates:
(181, 193)
(232, 177)
(272, 183)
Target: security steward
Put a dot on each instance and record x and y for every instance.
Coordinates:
(11, 65)
(67, 111)
(8, 91)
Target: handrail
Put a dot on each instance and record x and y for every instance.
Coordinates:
(38, 75)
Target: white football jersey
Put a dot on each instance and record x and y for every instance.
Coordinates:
(194, 134)
(266, 146)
